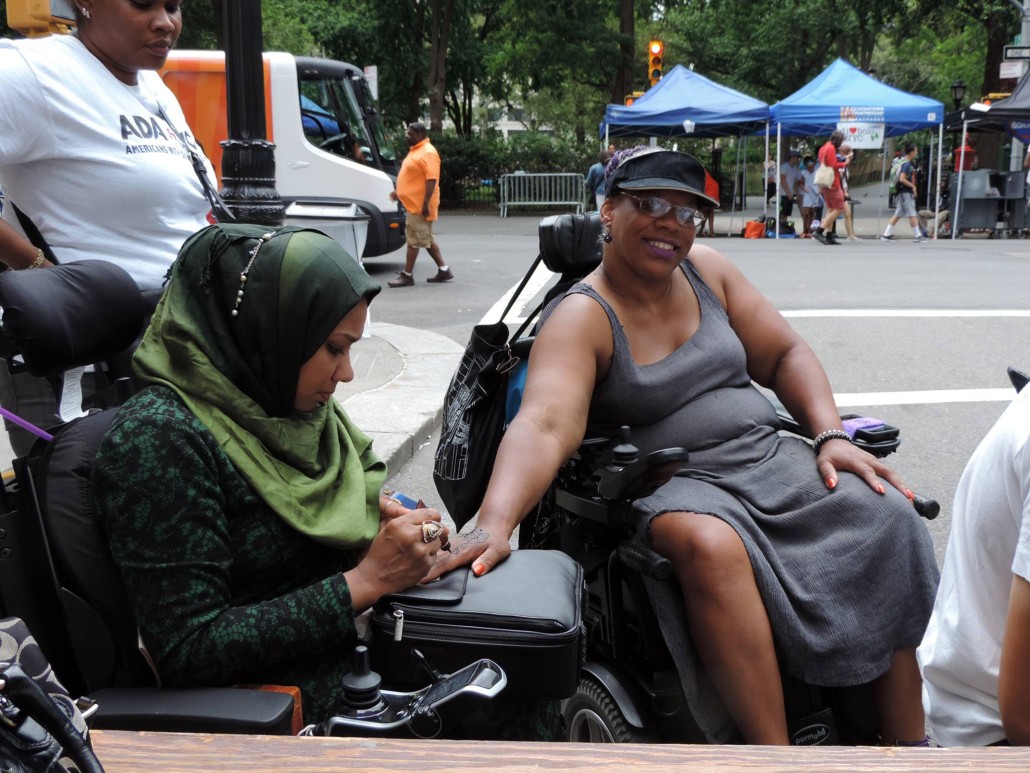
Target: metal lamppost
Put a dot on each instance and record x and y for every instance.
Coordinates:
(248, 159)
(958, 92)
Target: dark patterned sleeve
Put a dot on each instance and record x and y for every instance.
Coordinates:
(159, 481)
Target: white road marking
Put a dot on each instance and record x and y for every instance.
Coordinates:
(537, 282)
(924, 397)
(907, 313)
(845, 399)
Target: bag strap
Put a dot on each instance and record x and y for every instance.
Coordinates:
(521, 287)
(218, 206)
(34, 235)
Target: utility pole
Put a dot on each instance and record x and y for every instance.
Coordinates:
(248, 160)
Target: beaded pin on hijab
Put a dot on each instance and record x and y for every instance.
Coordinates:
(265, 237)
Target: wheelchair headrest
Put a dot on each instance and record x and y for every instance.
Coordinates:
(570, 245)
(73, 314)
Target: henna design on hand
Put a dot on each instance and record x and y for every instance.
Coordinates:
(474, 537)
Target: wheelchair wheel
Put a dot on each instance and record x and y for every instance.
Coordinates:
(591, 716)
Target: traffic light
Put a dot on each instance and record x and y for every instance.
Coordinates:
(655, 57)
(633, 97)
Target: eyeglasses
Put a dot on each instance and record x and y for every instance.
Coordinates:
(656, 207)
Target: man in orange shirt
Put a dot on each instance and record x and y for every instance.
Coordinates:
(419, 193)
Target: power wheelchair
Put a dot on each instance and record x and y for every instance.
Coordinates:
(56, 572)
(629, 689)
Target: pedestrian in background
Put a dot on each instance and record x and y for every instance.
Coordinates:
(846, 152)
(790, 174)
(595, 179)
(418, 190)
(905, 198)
(770, 180)
(810, 198)
(707, 228)
(833, 195)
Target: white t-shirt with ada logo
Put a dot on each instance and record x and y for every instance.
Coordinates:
(91, 161)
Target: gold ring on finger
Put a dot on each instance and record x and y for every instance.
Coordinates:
(430, 531)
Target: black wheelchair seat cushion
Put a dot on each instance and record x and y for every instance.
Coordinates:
(73, 314)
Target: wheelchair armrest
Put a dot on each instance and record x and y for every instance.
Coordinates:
(880, 443)
(642, 476)
(193, 710)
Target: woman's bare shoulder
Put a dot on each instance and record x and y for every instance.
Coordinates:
(577, 321)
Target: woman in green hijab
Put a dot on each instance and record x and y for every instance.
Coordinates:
(242, 506)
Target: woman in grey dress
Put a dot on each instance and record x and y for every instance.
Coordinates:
(810, 552)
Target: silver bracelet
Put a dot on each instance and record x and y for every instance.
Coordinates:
(830, 434)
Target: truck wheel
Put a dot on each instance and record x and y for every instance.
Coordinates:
(591, 716)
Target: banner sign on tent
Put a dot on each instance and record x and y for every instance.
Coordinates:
(1020, 130)
(867, 136)
(861, 114)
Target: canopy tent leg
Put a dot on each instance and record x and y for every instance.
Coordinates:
(956, 203)
(883, 179)
(940, 178)
(776, 206)
(741, 140)
(765, 191)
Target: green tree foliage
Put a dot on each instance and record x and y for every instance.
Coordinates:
(772, 49)
(563, 60)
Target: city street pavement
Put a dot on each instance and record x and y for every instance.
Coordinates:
(402, 372)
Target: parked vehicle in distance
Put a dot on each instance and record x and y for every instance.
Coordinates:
(333, 165)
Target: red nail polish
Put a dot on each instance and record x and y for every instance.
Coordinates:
(880, 488)
(831, 483)
(478, 569)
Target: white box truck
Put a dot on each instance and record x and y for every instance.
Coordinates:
(334, 169)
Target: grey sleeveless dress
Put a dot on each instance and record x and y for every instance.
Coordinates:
(848, 576)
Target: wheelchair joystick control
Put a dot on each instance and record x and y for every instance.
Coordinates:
(625, 453)
(361, 686)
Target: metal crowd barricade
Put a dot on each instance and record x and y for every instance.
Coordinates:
(543, 189)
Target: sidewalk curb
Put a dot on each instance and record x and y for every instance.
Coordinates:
(405, 411)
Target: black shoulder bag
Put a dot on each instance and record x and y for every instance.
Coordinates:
(41, 728)
(473, 412)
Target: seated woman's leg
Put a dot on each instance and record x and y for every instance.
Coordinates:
(727, 620)
(899, 700)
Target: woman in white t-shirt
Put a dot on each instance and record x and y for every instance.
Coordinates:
(975, 655)
(95, 154)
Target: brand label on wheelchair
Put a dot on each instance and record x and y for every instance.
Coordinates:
(811, 735)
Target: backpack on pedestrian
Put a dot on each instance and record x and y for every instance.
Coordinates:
(895, 174)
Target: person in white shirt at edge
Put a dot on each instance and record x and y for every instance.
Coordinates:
(790, 173)
(95, 151)
(975, 655)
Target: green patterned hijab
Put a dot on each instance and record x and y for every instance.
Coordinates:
(245, 307)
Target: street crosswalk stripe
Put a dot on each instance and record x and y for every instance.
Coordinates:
(924, 397)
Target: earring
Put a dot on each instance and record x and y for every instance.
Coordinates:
(85, 13)
(243, 275)
(606, 234)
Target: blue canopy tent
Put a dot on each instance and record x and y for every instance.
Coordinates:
(687, 104)
(844, 94)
